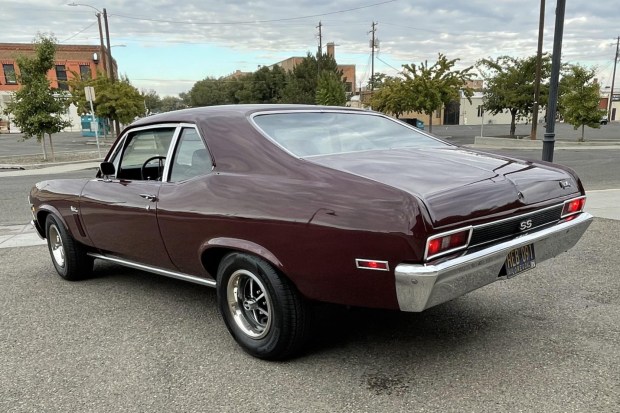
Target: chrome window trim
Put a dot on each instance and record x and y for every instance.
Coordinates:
(444, 234)
(342, 111)
(175, 142)
(562, 215)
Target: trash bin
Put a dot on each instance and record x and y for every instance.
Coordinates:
(414, 122)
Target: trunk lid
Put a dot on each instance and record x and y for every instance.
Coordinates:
(456, 184)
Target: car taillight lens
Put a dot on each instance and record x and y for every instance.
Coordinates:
(447, 242)
(573, 206)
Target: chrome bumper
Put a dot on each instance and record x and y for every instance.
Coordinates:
(419, 286)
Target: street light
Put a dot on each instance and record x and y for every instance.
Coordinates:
(108, 66)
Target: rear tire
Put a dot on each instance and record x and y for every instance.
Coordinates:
(262, 309)
(68, 256)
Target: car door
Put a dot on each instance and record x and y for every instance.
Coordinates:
(184, 212)
(120, 212)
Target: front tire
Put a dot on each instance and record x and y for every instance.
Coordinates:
(263, 310)
(68, 256)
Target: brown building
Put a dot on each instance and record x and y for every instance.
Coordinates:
(84, 60)
(348, 71)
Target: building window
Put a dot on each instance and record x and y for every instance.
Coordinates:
(61, 76)
(10, 77)
(480, 111)
(438, 113)
(85, 72)
(348, 87)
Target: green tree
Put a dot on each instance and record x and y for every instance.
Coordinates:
(579, 99)
(330, 90)
(36, 108)
(392, 97)
(211, 91)
(377, 80)
(169, 103)
(302, 81)
(263, 86)
(430, 88)
(509, 85)
(118, 100)
(152, 101)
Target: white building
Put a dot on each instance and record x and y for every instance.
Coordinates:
(7, 126)
(473, 114)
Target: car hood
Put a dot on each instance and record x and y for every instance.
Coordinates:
(457, 184)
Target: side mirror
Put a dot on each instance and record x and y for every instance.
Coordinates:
(107, 169)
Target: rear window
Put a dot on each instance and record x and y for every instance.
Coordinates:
(324, 133)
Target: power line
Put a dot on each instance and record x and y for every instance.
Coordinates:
(85, 28)
(253, 21)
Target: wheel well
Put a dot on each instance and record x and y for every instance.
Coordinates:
(212, 257)
(41, 219)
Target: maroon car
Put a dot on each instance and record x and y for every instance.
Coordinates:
(277, 206)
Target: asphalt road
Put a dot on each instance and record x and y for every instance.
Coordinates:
(545, 341)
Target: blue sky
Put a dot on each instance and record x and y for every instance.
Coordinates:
(170, 45)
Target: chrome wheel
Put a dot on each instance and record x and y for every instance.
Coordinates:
(56, 246)
(249, 304)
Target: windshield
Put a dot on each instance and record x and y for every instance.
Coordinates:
(326, 133)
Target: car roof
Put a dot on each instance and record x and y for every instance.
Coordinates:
(198, 114)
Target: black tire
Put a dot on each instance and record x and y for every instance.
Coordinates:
(68, 256)
(263, 310)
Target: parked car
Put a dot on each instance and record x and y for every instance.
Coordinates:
(604, 120)
(279, 206)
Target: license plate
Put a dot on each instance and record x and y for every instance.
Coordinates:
(519, 260)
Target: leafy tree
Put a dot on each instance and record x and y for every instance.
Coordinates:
(430, 88)
(302, 81)
(377, 80)
(579, 99)
(392, 97)
(169, 103)
(263, 86)
(509, 85)
(36, 108)
(152, 101)
(118, 100)
(330, 91)
(211, 91)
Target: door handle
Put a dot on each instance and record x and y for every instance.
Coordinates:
(150, 197)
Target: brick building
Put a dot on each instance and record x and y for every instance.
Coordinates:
(70, 60)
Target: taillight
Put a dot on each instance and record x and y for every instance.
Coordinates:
(447, 242)
(573, 206)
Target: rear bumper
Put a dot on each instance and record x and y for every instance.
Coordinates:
(419, 286)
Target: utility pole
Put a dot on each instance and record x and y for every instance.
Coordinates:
(101, 46)
(556, 62)
(320, 52)
(541, 29)
(110, 65)
(613, 81)
(372, 60)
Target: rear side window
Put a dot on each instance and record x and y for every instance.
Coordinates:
(191, 157)
(325, 133)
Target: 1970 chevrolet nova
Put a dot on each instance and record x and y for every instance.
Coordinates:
(277, 206)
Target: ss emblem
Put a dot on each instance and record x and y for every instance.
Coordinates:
(525, 225)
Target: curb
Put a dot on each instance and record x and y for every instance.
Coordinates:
(509, 143)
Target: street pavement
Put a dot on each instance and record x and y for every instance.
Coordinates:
(124, 340)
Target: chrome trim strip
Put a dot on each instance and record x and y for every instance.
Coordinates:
(155, 270)
(499, 221)
(420, 286)
(357, 264)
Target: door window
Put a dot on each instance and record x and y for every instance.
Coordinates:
(144, 156)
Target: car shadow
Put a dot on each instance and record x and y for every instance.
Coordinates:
(335, 328)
